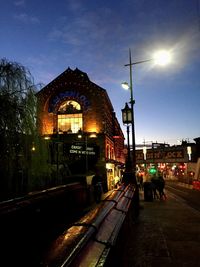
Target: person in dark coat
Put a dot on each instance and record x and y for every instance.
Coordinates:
(155, 187)
(97, 186)
(161, 186)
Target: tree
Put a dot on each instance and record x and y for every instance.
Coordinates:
(17, 123)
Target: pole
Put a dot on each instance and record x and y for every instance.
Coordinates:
(132, 101)
(128, 162)
(136, 198)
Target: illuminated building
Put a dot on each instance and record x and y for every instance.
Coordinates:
(71, 105)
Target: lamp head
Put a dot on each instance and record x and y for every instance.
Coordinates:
(125, 85)
(126, 114)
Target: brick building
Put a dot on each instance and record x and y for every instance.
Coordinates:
(77, 118)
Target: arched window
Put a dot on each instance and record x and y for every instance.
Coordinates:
(70, 117)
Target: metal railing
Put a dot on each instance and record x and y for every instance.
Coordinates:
(89, 241)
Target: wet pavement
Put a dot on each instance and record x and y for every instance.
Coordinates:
(167, 233)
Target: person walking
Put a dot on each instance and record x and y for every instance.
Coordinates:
(155, 187)
(161, 186)
(97, 186)
(141, 185)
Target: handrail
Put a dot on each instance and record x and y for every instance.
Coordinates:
(16, 204)
(90, 239)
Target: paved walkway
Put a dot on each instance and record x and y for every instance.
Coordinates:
(167, 233)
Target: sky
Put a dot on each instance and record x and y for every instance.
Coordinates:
(95, 36)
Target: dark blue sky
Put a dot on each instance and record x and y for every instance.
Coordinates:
(49, 36)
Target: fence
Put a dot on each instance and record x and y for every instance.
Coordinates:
(89, 241)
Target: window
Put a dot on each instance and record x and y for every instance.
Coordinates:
(70, 117)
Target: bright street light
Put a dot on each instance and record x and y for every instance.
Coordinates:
(161, 58)
(125, 85)
(130, 175)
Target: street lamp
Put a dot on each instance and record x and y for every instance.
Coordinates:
(144, 149)
(189, 152)
(161, 58)
(127, 119)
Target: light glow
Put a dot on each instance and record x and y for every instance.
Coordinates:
(125, 85)
(162, 57)
(93, 135)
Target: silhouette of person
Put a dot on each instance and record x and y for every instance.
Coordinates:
(97, 186)
(141, 182)
(155, 187)
(161, 186)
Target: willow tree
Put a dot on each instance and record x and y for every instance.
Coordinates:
(18, 130)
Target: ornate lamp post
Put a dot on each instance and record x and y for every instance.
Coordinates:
(127, 119)
(160, 58)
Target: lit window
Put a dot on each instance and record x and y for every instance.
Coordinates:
(108, 151)
(70, 117)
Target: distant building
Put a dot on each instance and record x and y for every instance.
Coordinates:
(178, 161)
(77, 119)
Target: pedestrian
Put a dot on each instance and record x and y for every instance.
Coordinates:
(141, 182)
(97, 186)
(161, 186)
(155, 187)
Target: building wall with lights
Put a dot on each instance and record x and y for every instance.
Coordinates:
(71, 104)
(174, 162)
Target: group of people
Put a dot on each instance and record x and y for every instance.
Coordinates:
(157, 186)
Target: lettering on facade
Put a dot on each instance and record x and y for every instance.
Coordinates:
(71, 94)
(82, 150)
(160, 155)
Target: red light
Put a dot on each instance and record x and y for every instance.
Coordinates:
(182, 166)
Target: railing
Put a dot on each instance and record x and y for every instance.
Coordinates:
(35, 199)
(89, 241)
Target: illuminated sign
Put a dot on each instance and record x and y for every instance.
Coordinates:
(160, 155)
(82, 150)
(68, 94)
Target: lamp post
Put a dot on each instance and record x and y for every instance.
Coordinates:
(160, 58)
(189, 152)
(127, 119)
(132, 102)
(145, 160)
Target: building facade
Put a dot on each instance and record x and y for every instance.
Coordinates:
(179, 162)
(77, 119)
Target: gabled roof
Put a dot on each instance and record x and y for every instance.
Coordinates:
(71, 76)
(68, 73)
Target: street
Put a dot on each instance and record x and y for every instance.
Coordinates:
(166, 234)
(188, 195)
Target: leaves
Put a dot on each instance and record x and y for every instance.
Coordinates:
(17, 98)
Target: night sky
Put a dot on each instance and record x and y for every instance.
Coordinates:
(47, 37)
